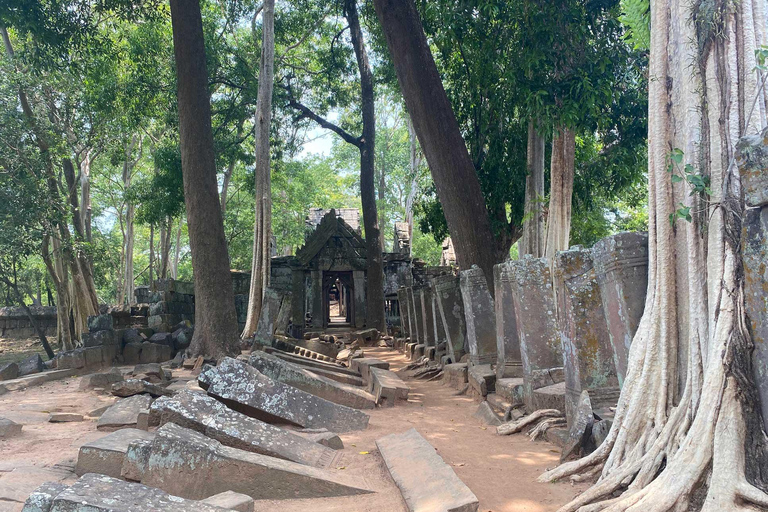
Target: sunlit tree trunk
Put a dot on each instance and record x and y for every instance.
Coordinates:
(262, 229)
(687, 408)
(561, 171)
(532, 239)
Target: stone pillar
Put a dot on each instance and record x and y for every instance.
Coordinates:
(588, 362)
(509, 361)
(358, 277)
(316, 292)
(298, 289)
(405, 318)
(415, 312)
(753, 162)
(540, 346)
(425, 302)
(621, 267)
(480, 316)
(437, 325)
(451, 308)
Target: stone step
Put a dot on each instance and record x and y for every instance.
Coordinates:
(245, 389)
(455, 374)
(188, 464)
(511, 390)
(127, 412)
(387, 387)
(550, 397)
(210, 417)
(293, 375)
(362, 365)
(482, 379)
(106, 454)
(426, 482)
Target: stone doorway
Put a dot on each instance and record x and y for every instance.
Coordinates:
(338, 299)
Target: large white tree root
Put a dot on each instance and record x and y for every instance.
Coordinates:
(541, 428)
(514, 427)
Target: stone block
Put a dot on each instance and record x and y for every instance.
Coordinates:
(132, 336)
(100, 323)
(188, 464)
(418, 351)
(125, 413)
(182, 337)
(231, 501)
(579, 428)
(151, 372)
(426, 482)
(72, 359)
(588, 360)
(414, 300)
(362, 365)
(532, 294)
(101, 493)
(154, 353)
(132, 353)
(94, 356)
(479, 314)
(101, 380)
(621, 268)
(423, 298)
(510, 389)
(321, 436)
(293, 375)
(387, 387)
(30, 365)
(131, 387)
(405, 317)
(487, 415)
(41, 499)
(136, 458)
(162, 338)
(455, 374)
(9, 371)
(270, 307)
(247, 390)
(210, 417)
(105, 455)
(509, 362)
(98, 338)
(9, 428)
(550, 397)
(482, 379)
(65, 417)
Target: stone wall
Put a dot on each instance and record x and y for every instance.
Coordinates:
(14, 322)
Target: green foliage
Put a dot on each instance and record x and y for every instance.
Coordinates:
(160, 196)
(636, 15)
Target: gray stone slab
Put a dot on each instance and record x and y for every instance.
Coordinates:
(588, 361)
(482, 379)
(362, 365)
(210, 417)
(101, 380)
(100, 493)
(487, 415)
(105, 455)
(451, 307)
(441, 338)
(293, 375)
(9, 371)
(509, 362)
(414, 299)
(246, 390)
(9, 428)
(549, 397)
(136, 459)
(621, 267)
(387, 387)
(510, 389)
(405, 317)
(231, 501)
(424, 301)
(426, 482)
(540, 345)
(479, 313)
(455, 374)
(327, 367)
(188, 464)
(321, 436)
(131, 387)
(126, 412)
(270, 307)
(41, 499)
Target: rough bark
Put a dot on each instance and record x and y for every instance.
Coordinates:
(560, 191)
(532, 239)
(375, 267)
(438, 131)
(216, 322)
(415, 157)
(228, 174)
(130, 236)
(262, 228)
(177, 250)
(687, 409)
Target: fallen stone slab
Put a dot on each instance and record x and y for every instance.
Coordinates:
(231, 501)
(426, 482)
(132, 387)
(128, 412)
(246, 390)
(41, 499)
(101, 380)
(136, 459)
(106, 454)
(36, 379)
(9, 428)
(362, 366)
(100, 493)
(9, 371)
(188, 464)
(482, 379)
(387, 387)
(321, 436)
(150, 372)
(64, 417)
(487, 415)
(293, 375)
(210, 417)
(30, 365)
(312, 363)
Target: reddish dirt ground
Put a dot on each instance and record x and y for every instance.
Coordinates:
(501, 471)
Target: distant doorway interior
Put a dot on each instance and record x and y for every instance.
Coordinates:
(338, 288)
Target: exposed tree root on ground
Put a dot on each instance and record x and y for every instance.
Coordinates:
(514, 427)
(541, 428)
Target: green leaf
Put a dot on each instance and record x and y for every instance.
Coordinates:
(677, 155)
(676, 178)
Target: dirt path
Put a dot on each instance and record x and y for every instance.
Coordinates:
(501, 471)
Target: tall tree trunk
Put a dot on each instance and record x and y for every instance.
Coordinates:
(85, 198)
(532, 240)
(438, 131)
(560, 191)
(130, 236)
(375, 271)
(58, 273)
(151, 254)
(228, 175)
(262, 228)
(216, 322)
(687, 408)
(414, 160)
(177, 249)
